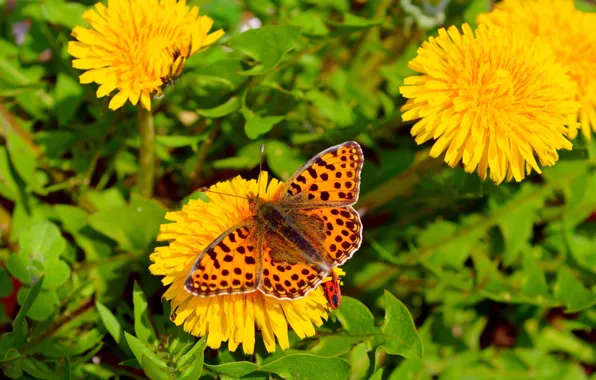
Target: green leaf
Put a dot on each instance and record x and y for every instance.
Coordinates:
(153, 370)
(401, 337)
(266, 45)
(110, 322)
(233, 370)
(133, 227)
(143, 328)
(409, 369)
(355, 317)
(8, 183)
(306, 366)
(193, 361)
(141, 351)
(230, 106)
(353, 23)
(572, 292)
(59, 12)
(44, 305)
(42, 242)
(336, 110)
(37, 369)
(5, 283)
(18, 335)
(534, 282)
(22, 155)
(68, 96)
(66, 372)
(57, 272)
(359, 362)
(256, 125)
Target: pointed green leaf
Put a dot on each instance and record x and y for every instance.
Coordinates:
(266, 45)
(572, 292)
(355, 316)
(194, 361)
(230, 106)
(401, 337)
(141, 351)
(110, 322)
(143, 328)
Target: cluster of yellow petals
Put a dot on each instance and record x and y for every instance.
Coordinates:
(135, 47)
(495, 100)
(231, 318)
(570, 33)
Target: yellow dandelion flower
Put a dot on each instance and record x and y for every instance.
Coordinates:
(570, 33)
(233, 318)
(135, 47)
(494, 100)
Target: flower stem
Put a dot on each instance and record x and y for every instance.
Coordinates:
(146, 153)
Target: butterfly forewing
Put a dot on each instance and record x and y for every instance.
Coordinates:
(331, 178)
(229, 265)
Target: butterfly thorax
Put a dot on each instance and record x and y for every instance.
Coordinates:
(276, 220)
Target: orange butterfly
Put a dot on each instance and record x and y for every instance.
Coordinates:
(293, 241)
(333, 292)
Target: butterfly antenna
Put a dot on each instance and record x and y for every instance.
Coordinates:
(206, 190)
(260, 170)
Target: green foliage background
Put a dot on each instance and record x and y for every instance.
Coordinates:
(500, 281)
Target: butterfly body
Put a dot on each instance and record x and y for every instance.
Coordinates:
(333, 291)
(292, 241)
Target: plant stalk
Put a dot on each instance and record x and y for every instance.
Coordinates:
(146, 180)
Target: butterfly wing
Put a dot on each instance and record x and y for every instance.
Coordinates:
(331, 178)
(286, 274)
(229, 265)
(335, 231)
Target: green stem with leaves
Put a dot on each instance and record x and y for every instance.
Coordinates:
(146, 153)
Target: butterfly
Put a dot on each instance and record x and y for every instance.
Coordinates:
(333, 292)
(292, 241)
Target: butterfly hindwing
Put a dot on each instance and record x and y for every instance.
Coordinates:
(331, 178)
(229, 265)
(287, 271)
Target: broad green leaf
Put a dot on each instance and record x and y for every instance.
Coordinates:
(306, 366)
(68, 96)
(5, 283)
(223, 75)
(582, 250)
(193, 361)
(475, 8)
(110, 322)
(59, 12)
(355, 317)
(516, 226)
(233, 370)
(266, 45)
(534, 282)
(42, 242)
(256, 125)
(311, 23)
(57, 272)
(412, 369)
(333, 345)
(572, 292)
(359, 362)
(43, 306)
(282, 160)
(401, 337)
(141, 351)
(133, 227)
(143, 328)
(336, 110)
(230, 106)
